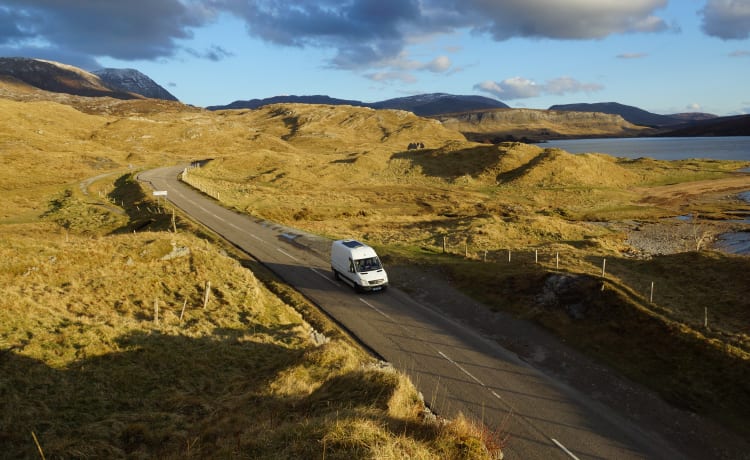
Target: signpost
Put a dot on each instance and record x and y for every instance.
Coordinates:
(158, 194)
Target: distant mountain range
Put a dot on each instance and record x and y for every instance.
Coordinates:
(424, 105)
(461, 109)
(62, 78)
(634, 114)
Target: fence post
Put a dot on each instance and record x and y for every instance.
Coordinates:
(604, 266)
(183, 309)
(651, 297)
(557, 261)
(207, 294)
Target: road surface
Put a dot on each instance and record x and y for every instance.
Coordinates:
(455, 368)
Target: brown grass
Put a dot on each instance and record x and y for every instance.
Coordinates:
(79, 287)
(100, 360)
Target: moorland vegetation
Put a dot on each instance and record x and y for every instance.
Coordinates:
(505, 223)
(128, 332)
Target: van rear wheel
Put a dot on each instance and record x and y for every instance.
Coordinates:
(335, 274)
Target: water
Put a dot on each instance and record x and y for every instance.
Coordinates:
(662, 148)
(675, 148)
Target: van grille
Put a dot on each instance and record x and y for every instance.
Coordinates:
(376, 282)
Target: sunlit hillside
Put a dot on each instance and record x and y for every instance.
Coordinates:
(127, 333)
(457, 208)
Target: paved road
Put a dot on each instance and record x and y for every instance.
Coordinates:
(455, 368)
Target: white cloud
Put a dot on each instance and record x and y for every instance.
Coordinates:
(727, 19)
(522, 88)
(439, 64)
(694, 107)
(740, 53)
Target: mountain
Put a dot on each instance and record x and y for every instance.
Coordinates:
(256, 103)
(133, 81)
(58, 78)
(738, 125)
(632, 114)
(422, 104)
(426, 105)
(693, 116)
(62, 78)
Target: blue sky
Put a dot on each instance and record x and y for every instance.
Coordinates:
(665, 56)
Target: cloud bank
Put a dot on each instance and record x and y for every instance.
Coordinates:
(360, 33)
(727, 19)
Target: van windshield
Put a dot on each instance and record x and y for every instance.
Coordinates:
(368, 264)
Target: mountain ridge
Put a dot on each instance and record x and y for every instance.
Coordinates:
(425, 105)
(130, 84)
(58, 77)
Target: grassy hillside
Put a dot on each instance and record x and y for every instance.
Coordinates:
(108, 346)
(456, 207)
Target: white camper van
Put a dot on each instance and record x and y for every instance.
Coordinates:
(358, 264)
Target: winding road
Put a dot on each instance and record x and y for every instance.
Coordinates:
(455, 368)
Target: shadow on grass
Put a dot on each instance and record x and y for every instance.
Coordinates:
(143, 213)
(452, 165)
(169, 396)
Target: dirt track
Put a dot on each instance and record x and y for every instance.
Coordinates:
(671, 195)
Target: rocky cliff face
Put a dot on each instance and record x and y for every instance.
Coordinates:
(133, 81)
(537, 124)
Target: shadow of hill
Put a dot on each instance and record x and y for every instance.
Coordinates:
(648, 344)
(452, 164)
(166, 396)
(154, 398)
(142, 214)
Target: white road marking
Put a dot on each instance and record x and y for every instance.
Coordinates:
(288, 255)
(375, 308)
(461, 368)
(324, 276)
(564, 449)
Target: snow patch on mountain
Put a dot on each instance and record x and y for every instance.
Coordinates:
(133, 81)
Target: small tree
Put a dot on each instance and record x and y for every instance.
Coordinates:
(701, 233)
